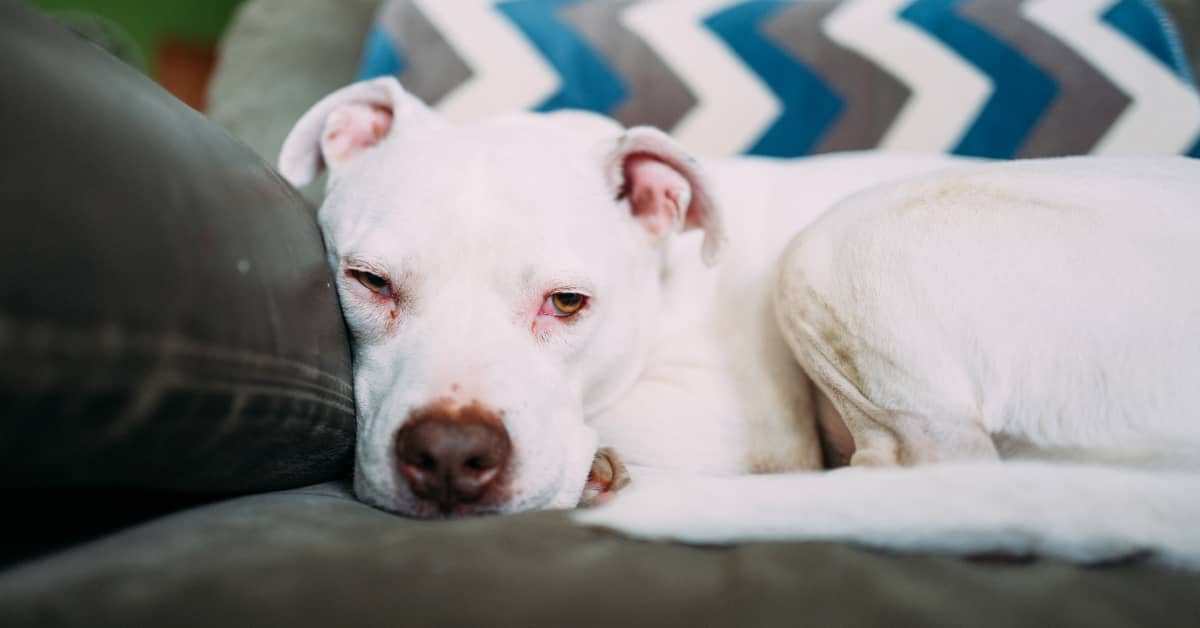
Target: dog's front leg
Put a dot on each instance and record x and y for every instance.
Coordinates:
(968, 508)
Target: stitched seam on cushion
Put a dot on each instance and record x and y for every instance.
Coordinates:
(237, 388)
(147, 400)
(186, 365)
(113, 340)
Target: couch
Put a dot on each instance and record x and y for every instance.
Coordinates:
(177, 430)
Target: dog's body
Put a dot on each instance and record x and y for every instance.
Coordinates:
(1042, 313)
(720, 392)
(500, 297)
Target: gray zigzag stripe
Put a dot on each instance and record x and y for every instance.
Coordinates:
(1087, 103)
(656, 95)
(432, 67)
(872, 97)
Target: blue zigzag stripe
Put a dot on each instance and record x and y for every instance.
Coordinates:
(587, 82)
(1144, 22)
(381, 56)
(1022, 92)
(810, 107)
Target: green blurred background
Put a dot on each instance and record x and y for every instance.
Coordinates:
(149, 21)
(174, 41)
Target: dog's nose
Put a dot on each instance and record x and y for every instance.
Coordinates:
(450, 455)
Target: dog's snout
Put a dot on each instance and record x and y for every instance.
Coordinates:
(452, 455)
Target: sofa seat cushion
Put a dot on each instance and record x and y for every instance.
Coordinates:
(315, 557)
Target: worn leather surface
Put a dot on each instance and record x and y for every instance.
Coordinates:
(314, 557)
(166, 316)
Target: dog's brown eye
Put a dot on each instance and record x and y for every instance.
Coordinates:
(567, 303)
(372, 282)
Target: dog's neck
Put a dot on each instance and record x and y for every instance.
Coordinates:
(717, 391)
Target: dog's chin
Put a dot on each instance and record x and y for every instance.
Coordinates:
(563, 494)
(423, 509)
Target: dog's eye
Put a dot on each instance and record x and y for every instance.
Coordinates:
(372, 282)
(566, 303)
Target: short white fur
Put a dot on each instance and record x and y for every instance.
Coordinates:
(956, 314)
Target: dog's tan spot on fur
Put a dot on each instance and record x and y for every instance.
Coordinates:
(392, 322)
(449, 408)
(941, 191)
(764, 464)
(843, 355)
(965, 191)
(837, 338)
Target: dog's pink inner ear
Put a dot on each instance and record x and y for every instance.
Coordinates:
(658, 194)
(351, 129)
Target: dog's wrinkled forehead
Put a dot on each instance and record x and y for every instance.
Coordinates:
(505, 182)
(391, 160)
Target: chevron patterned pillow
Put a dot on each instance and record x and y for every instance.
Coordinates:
(989, 78)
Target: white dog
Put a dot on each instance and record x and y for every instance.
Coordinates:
(527, 289)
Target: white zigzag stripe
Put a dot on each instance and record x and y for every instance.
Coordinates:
(1164, 115)
(947, 92)
(734, 107)
(509, 73)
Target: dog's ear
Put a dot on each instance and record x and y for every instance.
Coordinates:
(346, 123)
(664, 187)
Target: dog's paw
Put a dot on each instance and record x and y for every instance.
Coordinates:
(661, 506)
(607, 477)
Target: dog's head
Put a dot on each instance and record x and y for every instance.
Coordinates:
(500, 281)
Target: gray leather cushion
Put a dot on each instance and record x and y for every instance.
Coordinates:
(166, 316)
(314, 557)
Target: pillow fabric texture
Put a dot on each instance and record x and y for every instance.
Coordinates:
(985, 78)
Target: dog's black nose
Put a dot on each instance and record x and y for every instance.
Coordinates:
(452, 454)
